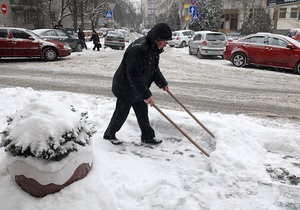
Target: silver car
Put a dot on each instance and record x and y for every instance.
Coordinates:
(114, 40)
(207, 43)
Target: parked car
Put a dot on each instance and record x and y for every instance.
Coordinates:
(294, 33)
(58, 34)
(125, 34)
(181, 38)
(265, 49)
(114, 40)
(20, 42)
(207, 43)
(102, 31)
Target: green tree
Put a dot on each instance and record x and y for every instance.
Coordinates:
(210, 14)
(173, 18)
(258, 20)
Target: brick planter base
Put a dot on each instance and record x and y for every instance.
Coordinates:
(40, 178)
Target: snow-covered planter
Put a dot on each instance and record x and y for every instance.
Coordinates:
(48, 146)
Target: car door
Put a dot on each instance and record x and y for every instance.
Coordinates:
(23, 44)
(277, 53)
(254, 47)
(195, 43)
(5, 42)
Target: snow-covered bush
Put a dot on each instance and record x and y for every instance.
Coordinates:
(48, 130)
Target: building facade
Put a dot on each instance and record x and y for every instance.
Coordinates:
(284, 13)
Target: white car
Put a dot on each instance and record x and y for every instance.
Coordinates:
(125, 34)
(207, 43)
(181, 38)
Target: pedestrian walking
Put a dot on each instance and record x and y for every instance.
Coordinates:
(81, 36)
(131, 83)
(96, 40)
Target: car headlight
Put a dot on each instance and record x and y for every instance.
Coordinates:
(67, 47)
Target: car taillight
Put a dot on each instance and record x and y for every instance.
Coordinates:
(204, 43)
(121, 40)
(109, 40)
(178, 37)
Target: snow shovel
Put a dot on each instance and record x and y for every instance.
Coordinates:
(176, 126)
(210, 133)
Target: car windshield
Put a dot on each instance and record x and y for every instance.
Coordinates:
(33, 34)
(293, 41)
(115, 34)
(215, 37)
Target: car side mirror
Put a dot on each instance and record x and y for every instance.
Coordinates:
(31, 38)
(290, 46)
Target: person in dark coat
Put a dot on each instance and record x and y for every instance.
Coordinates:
(81, 36)
(96, 40)
(131, 83)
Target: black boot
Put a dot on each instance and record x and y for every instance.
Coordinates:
(153, 141)
(112, 139)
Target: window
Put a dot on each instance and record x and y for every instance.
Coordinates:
(256, 39)
(19, 34)
(233, 22)
(49, 33)
(277, 42)
(60, 33)
(226, 17)
(282, 13)
(215, 37)
(197, 37)
(3, 33)
(294, 12)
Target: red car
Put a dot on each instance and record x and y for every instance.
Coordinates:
(19, 42)
(265, 49)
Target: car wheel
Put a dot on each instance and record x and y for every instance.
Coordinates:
(183, 44)
(297, 68)
(78, 47)
(190, 52)
(199, 55)
(239, 60)
(50, 54)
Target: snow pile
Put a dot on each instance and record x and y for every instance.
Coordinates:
(46, 129)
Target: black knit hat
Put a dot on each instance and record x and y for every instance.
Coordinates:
(160, 31)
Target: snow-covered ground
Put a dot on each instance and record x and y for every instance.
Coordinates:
(253, 164)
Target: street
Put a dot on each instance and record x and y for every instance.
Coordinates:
(202, 85)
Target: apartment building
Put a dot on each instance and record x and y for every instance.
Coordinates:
(284, 13)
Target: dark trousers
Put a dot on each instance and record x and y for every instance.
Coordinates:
(96, 46)
(121, 113)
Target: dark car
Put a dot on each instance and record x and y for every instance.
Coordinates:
(58, 34)
(114, 40)
(20, 42)
(265, 49)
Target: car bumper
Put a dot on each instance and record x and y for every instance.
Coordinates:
(114, 45)
(64, 52)
(212, 52)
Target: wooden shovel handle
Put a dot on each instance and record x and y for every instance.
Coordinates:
(208, 131)
(176, 126)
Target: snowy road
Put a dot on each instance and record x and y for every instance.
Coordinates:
(211, 85)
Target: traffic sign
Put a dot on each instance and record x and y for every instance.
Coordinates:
(193, 2)
(192, 9)
(4, 8)
(108, 14)
(195, 16)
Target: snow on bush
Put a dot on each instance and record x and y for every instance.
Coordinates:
(48, 130)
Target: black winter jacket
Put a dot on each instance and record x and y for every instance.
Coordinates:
(138, 69)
